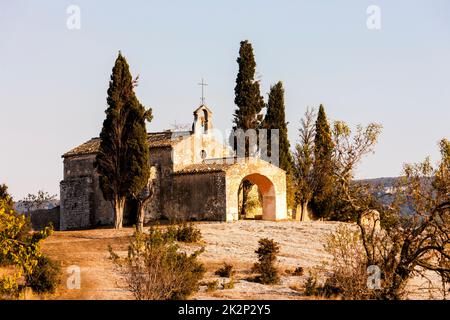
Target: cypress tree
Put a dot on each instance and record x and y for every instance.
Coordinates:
(123, 157)
(321, 203)
(276, 119)
(249, 104)
(248, 98)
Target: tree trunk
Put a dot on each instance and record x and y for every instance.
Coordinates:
(140, 218)
(305, 213)
(119, 205)
(246, 187)
(141, 210)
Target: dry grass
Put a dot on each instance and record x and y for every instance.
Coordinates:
(89, 250)
(301, 244)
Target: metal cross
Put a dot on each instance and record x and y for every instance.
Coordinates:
(203, 86)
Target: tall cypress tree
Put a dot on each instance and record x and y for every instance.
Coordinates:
(123, 157)
(321, 203)
(276, 119)
(249, 104)
(248, 98)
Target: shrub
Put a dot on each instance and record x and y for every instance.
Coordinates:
(212, 286)
(298, 271)
(155, 270)
(185, 232)
(225, 271)
(311, 287)
(20, 248)
(348, 266)
(45, 276)
(331, 288)
(267, 255)
(229, 284)
(347, 275)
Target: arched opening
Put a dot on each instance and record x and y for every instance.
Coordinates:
(249, 201)
(205, 121)
(261, 200)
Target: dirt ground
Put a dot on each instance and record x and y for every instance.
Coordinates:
(232, 242)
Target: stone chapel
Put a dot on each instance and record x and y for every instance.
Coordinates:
(194, 176)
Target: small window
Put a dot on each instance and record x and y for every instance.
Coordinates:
(203, 154)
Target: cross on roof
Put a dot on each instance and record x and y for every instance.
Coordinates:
(203, 84)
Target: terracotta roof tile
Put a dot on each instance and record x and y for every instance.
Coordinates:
(155, 140)
(204, 168)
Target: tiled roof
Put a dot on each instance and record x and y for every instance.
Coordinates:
(204, 168)
(155, 140)
(89, 147)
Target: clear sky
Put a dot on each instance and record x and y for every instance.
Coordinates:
(53, 80)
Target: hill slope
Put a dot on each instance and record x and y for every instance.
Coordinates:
(235, 242)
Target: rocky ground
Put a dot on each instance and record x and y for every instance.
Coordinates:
(301, 245)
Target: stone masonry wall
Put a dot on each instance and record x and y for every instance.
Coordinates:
(197, 197)
(78, 166)
(82, 201)
(77, 197)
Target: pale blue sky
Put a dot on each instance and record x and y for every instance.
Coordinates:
(53, 81)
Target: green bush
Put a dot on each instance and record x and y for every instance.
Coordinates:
(212, 286)
(267, 255)
(298, 271)
(229, 284)
(156, 270)
(225, 271)
(45, 277)
(311, 287)
(331, 288)
(185, 232)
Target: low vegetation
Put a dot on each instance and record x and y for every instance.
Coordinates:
(298, 271)
(184, 232)
(226, 271)
(267, 256)
(348, 266)
(45, 276)
(21, 253)
(311, 286)
(211, 286)
(155, 269)
(370, 262)
(229, 284)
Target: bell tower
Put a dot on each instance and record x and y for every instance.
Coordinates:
(202, 120)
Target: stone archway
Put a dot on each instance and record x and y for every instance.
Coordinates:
(271, 182)
(267, 191)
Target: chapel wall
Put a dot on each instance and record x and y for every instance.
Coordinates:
(189, 150)
(76, 196)
(82, 201)
(199, 196)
